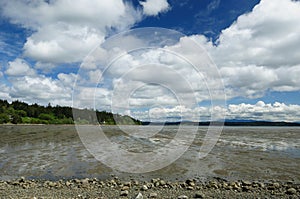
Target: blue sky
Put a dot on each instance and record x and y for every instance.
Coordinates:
(254, 44)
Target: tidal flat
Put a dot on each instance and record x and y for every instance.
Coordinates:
(43, 154)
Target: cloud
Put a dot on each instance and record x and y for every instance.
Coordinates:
(22, 82)
(213, 5)
(154, 7)
(260, 51)
(4, 92)
(19, 67)
(259, 111)
(262, 111)
(65, 31)
(40, 89)
(267, 36)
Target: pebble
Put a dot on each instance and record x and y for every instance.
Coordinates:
(22, 179)
(183, 197)
(150, 185)
(124, 188)
(162, 182)
(128, 184)
(85, 181)
(199, 195)
(52, 184)
(139, 196)
(68, 183)
(291, 191)
(156, 188)
(153, 195)
(144, 188)
(246, 183)
(136, 183)
(124, 193)
(276, 185)
(262, 185)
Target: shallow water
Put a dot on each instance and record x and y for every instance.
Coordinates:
(56, 151)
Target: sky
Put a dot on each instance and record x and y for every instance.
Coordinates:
(207, 59)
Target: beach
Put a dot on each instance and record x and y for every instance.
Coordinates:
(156, 188)
(50, 161)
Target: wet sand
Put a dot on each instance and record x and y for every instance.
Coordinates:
(55, 154)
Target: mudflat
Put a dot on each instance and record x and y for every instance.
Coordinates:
(246, 162)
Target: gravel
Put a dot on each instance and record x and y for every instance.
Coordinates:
(156, 188)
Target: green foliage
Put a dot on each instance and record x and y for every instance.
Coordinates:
(15, 119)
(4, 118)
(21, 112)
(45, 116)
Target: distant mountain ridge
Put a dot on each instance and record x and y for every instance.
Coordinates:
(230, 122)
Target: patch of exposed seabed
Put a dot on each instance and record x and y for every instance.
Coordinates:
(54, 152)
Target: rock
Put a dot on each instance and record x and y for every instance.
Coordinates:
(124, 193)
(162, 182)
(190, 188)
(276, 185)
(192, 184)
(246, 183)
(182, 184)
(52, 184)
(124, 188)
(128, 184)
(225, 185)
(246, 188)
(139, 196)
(150, 185)
(68, 183)
(213, 184)
(156, 184)
(153, 195)
(144, 188)
(25, 186)
(262, 185)
(136, 183)
(235, 185)
(291, 191)
(199, 195)
(22, 179)
(15, 183)
(85, 182)
(271, 187)
(183, 197)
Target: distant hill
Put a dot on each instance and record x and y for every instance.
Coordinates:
(18, 112)
(227, 123)
(259, 123)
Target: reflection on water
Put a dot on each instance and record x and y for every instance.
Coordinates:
(55, 151)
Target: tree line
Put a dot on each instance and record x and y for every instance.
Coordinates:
(18, 112)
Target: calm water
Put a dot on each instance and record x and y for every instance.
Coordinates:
(52, 152)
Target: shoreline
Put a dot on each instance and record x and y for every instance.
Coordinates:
(155, 188)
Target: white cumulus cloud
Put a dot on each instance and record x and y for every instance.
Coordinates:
(19, 67)
(154, 7)
(262, 111)
(260, 51)
(65, 31)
